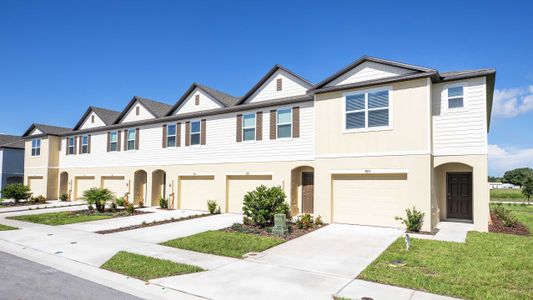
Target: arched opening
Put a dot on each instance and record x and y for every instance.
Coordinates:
(139, 187)
(452, 192)
(63, 185)
(159, 180)
(302, 190)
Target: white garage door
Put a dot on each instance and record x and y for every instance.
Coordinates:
(36, 184)
(196, 190)
(116, 184)
(238, 186)
(369, 199)
(82, 184)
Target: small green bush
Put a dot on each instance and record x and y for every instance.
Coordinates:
(98, 197)
(119, 201)
(414, 220)
(63, 197)
(16, 191)
(130, 208)
(507, 217)
(260, 206)
(39, 199)
(213, 207)
(305, 222)
(163, 203)
(318, 221)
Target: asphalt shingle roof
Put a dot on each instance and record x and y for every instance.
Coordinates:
(11, 141)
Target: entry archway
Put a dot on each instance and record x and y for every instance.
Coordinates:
(159, 180)
(139, 187)
(302, 190)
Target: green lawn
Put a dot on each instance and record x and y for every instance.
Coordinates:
(145, 267)
(487, 266)
(232, 244)
(5, 227)
(61, 218)
(507, 195)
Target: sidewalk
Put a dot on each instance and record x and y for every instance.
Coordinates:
(48, 205)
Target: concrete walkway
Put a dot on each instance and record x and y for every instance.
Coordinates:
(358, 289)
(47, 205)
(448, 232)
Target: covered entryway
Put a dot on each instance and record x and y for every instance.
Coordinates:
(139, 187)
(159, 179)
(116, 184)
(454, 192)
(194, 191)
(64, 185)
(369, 199)
(81, 184)
(238, 186)
(302, 190)
(36, 184)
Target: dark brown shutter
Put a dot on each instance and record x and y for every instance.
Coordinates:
(203, 131)
(296, 122)
(178, 134)
(89, 143)
(239, 128)
(164, 141)
(259, 126)
(187, 133)
(80, 150)
(279, 84)
(137, 111)
(75, 145)
(137, 138)
(125, 140)
(108, 141)
(119, 139)
(66, 145)
(197, 100)
(273, 124)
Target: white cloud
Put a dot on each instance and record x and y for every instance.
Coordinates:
(510, 103)
(501, 160)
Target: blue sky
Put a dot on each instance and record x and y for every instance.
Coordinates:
(61, 56)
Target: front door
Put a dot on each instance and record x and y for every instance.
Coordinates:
(307, 192)
(459, 196)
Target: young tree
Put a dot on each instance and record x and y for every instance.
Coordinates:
(517, 176)
(16, 191)
(98, 197)
(527, 189)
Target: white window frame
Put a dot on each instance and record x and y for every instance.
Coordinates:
(36, 148)
(111, 142)
(447, 104)
(199, 133)
(366, 110)
(250, 127)
(69, 146)
(84, 145)
(175, 135)
(278, 124)
(131, 140)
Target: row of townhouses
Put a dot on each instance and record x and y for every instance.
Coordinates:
(359, 147)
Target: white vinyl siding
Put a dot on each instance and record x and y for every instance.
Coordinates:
(189, 105)
(292, 86)
(284, 123)
(195, 132)
(248, 127)
(88, 122)
(131, 139)
(171, 135)
(113, 141)
(367, 110)
(132, 116)
(368, 71)
(36, 147)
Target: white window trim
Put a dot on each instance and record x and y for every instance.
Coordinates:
(82, 144)
(277, 124)
(175, 135)
(199, 134)
(128, 139)
(32, 147)
(254, 127)
(111, 141)
(368, 129)
(73, 145)
(446, 105)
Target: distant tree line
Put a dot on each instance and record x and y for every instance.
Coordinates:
(522, 177)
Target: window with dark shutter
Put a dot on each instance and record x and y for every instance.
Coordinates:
(203, 131)
(187, 133)
(109, 142)
(239, 128)
(178, 135)
(89, 143)
(259, 126)
(119, 140)
(273, 124)
(296, 122)
(164, 136)
(137, 138)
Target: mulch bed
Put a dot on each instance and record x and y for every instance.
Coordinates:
(117, 214)
(294, 231)
(496, 225)
(154, 223)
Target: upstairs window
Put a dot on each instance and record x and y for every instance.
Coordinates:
(195, 133)
(84, 144)
(131, 139)
(71, 146)
(36, 147)
(456, 97)
(248, 127)
(171, 135)
(113, 141)
(284, 123)
(367, 110)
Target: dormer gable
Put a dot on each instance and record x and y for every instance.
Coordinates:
(277, 83)
(199, 97)
(139, 109)
(96, 117)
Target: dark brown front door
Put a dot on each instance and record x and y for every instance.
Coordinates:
(459, 196)
(307, 192)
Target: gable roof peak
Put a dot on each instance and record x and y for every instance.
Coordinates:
(224, 99)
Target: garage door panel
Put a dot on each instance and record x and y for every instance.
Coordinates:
(82, 184)
(238, 186)
(115, 184)
(369, 199)
(196, 190)
(36, 185)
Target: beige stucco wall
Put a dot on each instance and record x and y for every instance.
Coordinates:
(410, 131)
(45, 165)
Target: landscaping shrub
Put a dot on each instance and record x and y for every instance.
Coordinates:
(63, 197)
(119, 201)
(130, 208)
(16, 191)
(213, 207)
(113, 207)
(98, 197)
(507, 217)
(163, 203)
(305, 222)
(414, 220)
(260, 206)
(39, 199)
(318, 221)
(141, 204)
